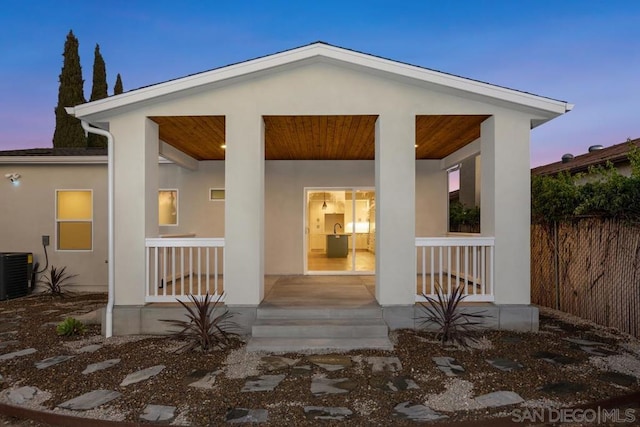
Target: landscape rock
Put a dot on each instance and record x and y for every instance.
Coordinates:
(327, 413)
(50, 361)
(243, 415)
(416, 412)
(158, 413)
(100, 366)
(262, 383)
(142, 375)
(19, 353)
(90, 400)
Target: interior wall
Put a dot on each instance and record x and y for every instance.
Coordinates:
(196, 213)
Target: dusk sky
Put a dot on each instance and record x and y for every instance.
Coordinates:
(583, 52)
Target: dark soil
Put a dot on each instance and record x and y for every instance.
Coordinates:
(549, 362)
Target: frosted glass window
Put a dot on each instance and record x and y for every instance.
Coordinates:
(216, 194)
(168, 207)
(74, 220)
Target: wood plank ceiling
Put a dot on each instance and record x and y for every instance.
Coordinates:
(319, 137)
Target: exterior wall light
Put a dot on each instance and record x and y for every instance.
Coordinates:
(13, 177)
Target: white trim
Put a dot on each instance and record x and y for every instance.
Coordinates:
(62, 160)
(57, 221)
(318, 51)
(455, 241)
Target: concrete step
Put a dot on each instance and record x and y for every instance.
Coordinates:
(289, 345)
(320, 328)
(370, 312)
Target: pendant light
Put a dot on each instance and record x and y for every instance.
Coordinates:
(324, 201)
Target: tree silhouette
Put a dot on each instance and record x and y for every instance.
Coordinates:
(69, 132)
(117, 89)
(98, 91)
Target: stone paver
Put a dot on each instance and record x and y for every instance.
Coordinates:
(206, 380)
(499, 398)
(244, 415)
(90, 400)
(505, 365)
(142, 375)
(158, 413)
(581, 342)
(416, 412)
(597, 351)
(301, 371)
(320, 386)
(19, 353)
(327, 413)
(330, 362)
(262, 383)
(394, 384)
(94, 367)
(22, 394)
(50, 361)
(618, 378)
(448, 365)
(384, 364)
(562, 387)
(556, 359)
(91, 348)
(273, 363)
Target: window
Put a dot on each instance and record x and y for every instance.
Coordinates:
(74, 220)
(216, 194)
(464, 196)
(168, 207)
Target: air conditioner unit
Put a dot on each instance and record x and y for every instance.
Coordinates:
(15, 273)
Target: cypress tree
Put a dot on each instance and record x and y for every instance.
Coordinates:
(98, 91)
(69, 132)
(118, 89)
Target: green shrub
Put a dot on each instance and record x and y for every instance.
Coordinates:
(70, 326)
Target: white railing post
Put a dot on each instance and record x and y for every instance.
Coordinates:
(473, 266)
(161, 254)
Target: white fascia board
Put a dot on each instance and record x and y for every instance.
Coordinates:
(54, 160)
(61, 160)
(322, 50)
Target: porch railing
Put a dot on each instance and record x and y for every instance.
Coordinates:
(179, 267)
(449, 262)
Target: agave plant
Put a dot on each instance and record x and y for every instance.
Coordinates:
(56, 280)
(70, 326)
(208, 325)
(453, 325)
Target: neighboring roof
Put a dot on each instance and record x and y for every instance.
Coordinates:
(314, 51)
(55, 155)
(615, 154)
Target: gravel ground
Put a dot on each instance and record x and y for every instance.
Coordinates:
(452, 396)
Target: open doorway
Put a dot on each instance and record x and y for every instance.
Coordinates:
(340, 231)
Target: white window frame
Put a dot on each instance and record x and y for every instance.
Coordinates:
(57, 221)
(177, 207)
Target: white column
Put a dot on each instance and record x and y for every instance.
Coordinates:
(244, 209)
(506, 203)
(395, 209)
(135, 201)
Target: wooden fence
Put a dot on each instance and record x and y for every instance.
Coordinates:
(589, 267)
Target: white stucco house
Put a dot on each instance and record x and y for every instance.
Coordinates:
(316, 160)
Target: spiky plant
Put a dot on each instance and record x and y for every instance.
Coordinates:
(208, 325)
(453, 325)
(57, 280)
(70, 326)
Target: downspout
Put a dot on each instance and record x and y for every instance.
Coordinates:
(110, 226)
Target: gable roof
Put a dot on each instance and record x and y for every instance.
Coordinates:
(615, 154)
(322, 51)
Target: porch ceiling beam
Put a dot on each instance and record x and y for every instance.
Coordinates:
(178, 157)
